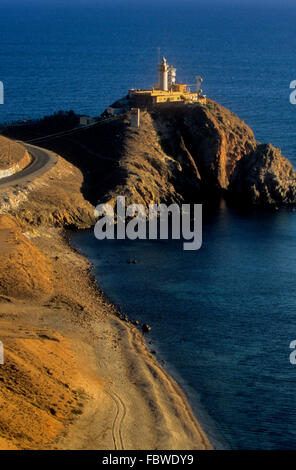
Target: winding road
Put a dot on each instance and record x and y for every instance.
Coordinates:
(42, 161)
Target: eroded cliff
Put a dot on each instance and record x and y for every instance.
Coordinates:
(181, 152)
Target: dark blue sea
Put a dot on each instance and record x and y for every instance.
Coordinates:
(222, 317)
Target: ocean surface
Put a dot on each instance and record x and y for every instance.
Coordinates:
(84, 58)
(222, 317)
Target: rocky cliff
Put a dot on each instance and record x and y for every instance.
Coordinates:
(264, 177)
(56, 326)
(181, 152)
(190, 152)
(194, 152)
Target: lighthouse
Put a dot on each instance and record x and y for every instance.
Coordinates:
(163, 70)
(166, 91)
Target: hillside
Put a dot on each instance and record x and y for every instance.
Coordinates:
(63, 340)
(13, 157)
(181, 152)
(75, 375)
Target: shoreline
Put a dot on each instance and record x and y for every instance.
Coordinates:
(153, 374)
(85, 379)
(204, 421)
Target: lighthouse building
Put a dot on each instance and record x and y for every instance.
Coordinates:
(167, 90)
(163, 73)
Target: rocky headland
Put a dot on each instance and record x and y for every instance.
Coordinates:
(181, 152)
(75, 374)
(190, 152)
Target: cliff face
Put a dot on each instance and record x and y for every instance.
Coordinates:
(181, 153)
(186, 152)
(214, 137)
(265, 177)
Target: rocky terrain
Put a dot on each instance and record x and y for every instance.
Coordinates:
(72, 367)
(42, 390)
(75, 375)
(195, 152)
(10, 152)
(181, 152)
(264, 177)
(53, 199)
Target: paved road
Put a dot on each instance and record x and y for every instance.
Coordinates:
(42, 161)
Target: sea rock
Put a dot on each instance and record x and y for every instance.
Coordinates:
(265, 177)
(146, 328)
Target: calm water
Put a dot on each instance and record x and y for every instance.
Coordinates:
(84, 58)
(222, 317)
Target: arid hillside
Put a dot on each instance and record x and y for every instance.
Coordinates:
(76, 373)
(44, 384)
(10, 152)
(72, 366)
(41, 388)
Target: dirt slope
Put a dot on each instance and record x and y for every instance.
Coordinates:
(10, 152)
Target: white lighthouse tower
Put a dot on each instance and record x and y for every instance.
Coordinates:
(163, 70)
